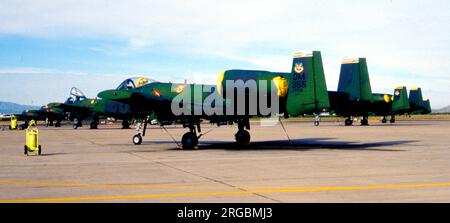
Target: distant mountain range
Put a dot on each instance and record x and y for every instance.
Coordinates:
(13, 108)
(442, 110)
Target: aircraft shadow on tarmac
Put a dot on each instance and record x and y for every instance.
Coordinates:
(301, 145)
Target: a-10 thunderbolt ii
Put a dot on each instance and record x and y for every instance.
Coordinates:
(49, 113)
(417, 103)
(79, 107)
(354, 96)
(238, 96)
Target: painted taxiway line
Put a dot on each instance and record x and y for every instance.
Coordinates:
(225, 193)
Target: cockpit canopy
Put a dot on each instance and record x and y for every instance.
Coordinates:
(75, 95)
(134, 82)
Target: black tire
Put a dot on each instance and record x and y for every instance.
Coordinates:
(94, 125)
(383, 120)
(125, 125)
(39, 150)
(137, 139)
(316, 123)
(189, 140)
(58, 124)
(75, 126)
(364, 121)
(348, 122)
(242, 137)
(10, 128)
(392, 120)
(25, 150)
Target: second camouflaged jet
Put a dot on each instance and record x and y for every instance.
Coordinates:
(48, 113)
(79, 107)
(354, 96)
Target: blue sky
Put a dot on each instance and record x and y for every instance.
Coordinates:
(46, 47)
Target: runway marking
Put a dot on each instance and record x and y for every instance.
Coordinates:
(135, 186)
(222, 193)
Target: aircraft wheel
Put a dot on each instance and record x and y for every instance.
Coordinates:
(383, 120)
(46, 125)
(125, 125)
(137, 139)
(75, 126)
(392, 120)
(189, 140)
(316, 123)
(25, 150)
(242, 137)
(94, 125)
(364, 121)
(39, 150)
(10, 128)
(58, 124)
(348, 122)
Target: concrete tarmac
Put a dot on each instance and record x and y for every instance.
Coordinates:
(404, 162)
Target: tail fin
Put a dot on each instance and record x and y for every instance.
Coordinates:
(307, 87)
(415, 96)
(427, 106)
(401, 103)
(354, 79)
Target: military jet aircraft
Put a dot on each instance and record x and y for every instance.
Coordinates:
(354, 96)
(79, 108)
(48, 113)
(302, 91)
(417, 103)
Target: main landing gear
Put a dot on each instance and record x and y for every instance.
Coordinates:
(365, 121)
(190, 139)
(242, 137)
(94, 123)
(125, 124)
(48, 122)
(349, 121)
(392, 120)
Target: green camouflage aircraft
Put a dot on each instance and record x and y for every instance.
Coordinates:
(79, 107)
(302, 91)
(354, 96)
(417, 103)
(48, 113)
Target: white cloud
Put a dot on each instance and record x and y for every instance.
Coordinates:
(407, 37)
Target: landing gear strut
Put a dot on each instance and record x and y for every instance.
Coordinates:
(317, 120)
(77, 123)
(243, 137)
(137, 139)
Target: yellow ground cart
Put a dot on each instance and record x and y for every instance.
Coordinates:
(32, 140)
